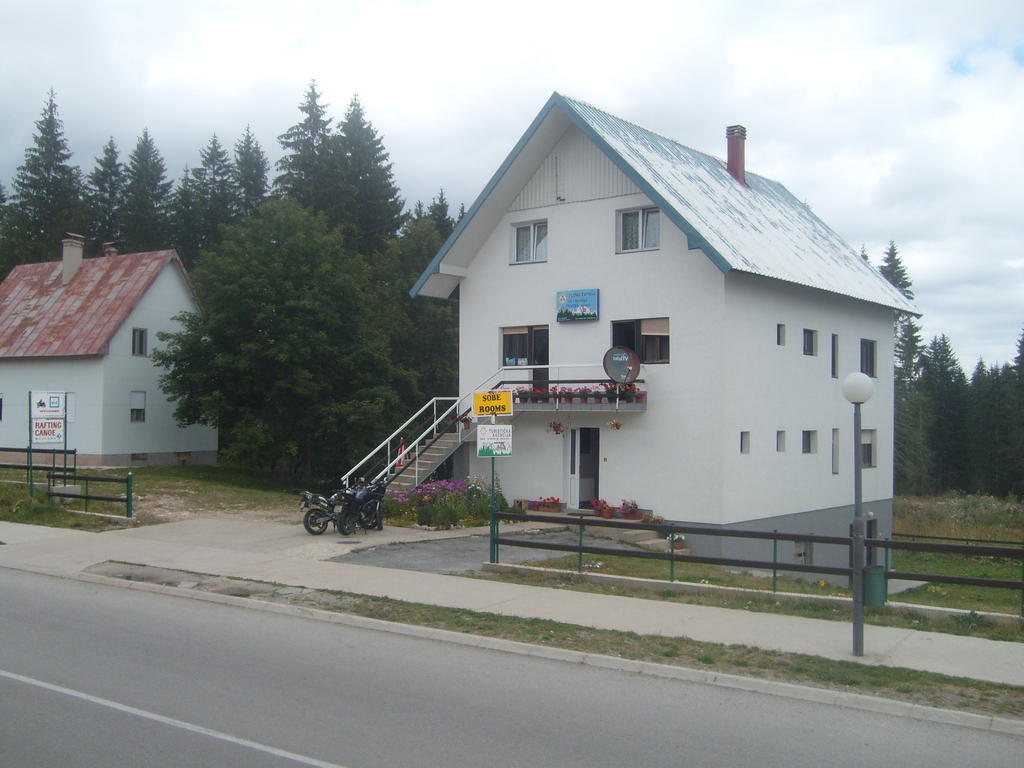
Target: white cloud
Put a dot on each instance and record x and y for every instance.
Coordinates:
(892, 120)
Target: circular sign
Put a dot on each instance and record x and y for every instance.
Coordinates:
(622, 365)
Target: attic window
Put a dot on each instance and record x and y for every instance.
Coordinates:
(140, 347)
(531, 243)
(639, 230)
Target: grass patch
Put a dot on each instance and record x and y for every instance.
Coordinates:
(971, 625)
(908, 685)
(17, 507)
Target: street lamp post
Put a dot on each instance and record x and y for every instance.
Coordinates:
(858, 388)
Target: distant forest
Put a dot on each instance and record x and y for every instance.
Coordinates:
(303, 275)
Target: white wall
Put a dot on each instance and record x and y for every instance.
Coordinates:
(667, 458)
(124, 372)
(82, 375)
(768, 387)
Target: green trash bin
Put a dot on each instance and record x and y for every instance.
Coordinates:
(875, 587)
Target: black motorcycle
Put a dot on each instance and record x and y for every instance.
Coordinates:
(347, 508)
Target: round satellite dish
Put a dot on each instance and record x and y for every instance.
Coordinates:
(622, 365)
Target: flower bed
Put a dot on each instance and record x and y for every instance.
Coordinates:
(443, 504)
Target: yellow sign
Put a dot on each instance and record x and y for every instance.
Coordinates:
(493, 403)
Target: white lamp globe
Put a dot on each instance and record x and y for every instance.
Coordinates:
(858, 387)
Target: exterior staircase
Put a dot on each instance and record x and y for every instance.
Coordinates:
(416, 467)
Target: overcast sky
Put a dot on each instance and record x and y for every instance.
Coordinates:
(896, 120)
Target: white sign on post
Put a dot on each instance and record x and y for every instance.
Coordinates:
(47, 405)
(493, 441)
(47, 430)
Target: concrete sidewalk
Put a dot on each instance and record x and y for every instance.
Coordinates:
(285, 554)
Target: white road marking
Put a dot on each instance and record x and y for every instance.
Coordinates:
(170, 721)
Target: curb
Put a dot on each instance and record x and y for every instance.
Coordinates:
(795, 691)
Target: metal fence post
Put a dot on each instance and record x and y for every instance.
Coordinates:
(579, 556)
(775, 559)
(86, 481)
(129, 485)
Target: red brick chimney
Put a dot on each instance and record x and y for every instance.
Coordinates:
(71, 255)
(736, 139)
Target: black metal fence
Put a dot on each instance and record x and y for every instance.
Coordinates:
(83, 481)
(670, 530)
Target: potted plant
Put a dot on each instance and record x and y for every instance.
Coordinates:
(630, 510)
(583, 393)
(547, 504)
(602, 508)
(556, 426)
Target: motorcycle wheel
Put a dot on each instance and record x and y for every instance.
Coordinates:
(347, 525)
(314, 522)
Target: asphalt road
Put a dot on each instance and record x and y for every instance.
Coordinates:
(101, 676)
(464, 553)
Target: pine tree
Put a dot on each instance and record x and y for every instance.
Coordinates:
(892, 270)
(438, 212)
(251, 168)
(945, 385)
(1017, 420)
(47, 194)
(186, 219)
(377, 208)
(216, 192)
(105, 198)
(312, 170)
(146, 225)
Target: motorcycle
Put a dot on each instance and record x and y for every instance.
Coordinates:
(347, 508)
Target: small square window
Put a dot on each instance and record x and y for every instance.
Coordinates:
(868, 455)
(639, 230)
(868, 350)
(780, 441)
(744, 442)
(137, 406)
(809, 441)
(140, 347)
(531, 243)
(810, 342)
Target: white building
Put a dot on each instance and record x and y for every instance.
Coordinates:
(87, 327)
(746, 310)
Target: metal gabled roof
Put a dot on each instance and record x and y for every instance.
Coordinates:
(759, 228)
(41, 317)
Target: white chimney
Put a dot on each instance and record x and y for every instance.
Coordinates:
(71, 255)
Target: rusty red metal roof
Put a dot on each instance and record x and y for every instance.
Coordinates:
(41, 317)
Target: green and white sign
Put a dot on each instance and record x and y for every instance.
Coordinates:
(493, 441)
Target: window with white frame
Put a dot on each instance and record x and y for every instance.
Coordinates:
(868, 454)
(639, 230)
(140, 345)
(744, 442)
(780, 441)
(137, 406)
(531, 243)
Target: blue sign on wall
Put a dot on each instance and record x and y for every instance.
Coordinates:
(577, 305)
